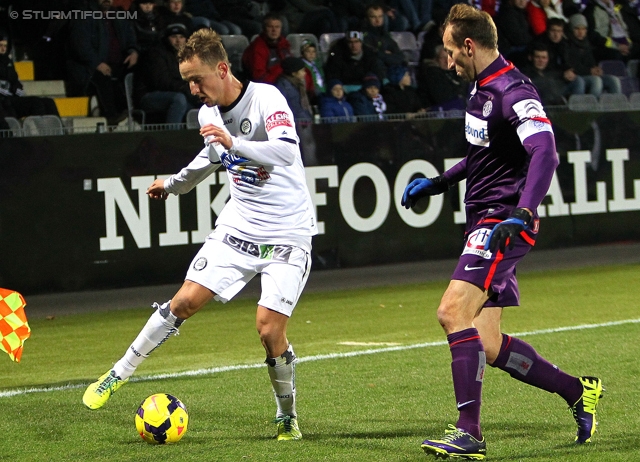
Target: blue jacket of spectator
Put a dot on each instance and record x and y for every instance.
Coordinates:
(338, 109)
(293, 95)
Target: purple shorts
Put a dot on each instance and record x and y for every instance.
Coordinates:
(495, 272)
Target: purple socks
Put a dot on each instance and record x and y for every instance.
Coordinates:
(523, 363)
(467, 367)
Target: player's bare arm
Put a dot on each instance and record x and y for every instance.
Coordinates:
(157, 191)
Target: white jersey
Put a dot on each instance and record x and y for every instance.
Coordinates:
(270, 201)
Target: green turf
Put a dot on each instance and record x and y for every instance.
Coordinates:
(374, 407)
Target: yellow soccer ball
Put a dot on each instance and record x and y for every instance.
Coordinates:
(162, 419)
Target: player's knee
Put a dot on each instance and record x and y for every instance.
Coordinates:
(447, 315)
(183, 307)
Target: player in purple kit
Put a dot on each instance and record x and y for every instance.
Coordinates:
(510, 161)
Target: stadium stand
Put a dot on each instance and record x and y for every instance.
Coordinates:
(192, 119)
(45, 125)
(584, 103)
(75, 125)
(235, 46)
(619, 69)
(408, 45)
(634, 101)
(326, 40)
(14, 125)
(614, 102)
(131, 110)
(296, 41)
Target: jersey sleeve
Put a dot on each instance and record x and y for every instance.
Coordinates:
(523, 109)
(281, 147)
(187, 178)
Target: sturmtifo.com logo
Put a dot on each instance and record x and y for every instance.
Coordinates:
(73, 14)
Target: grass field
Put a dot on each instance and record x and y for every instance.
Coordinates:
(356, 403)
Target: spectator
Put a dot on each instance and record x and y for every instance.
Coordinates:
(101, 52)
(349, 61)
(173, 13)
(579, 56)
(291, 84)
(630, 12)
(548, 82)
(491, 7)
(540, 11)
(334, 105)
(607, 30)
(205, 14)
(400, 96)
(306, 16)
(13, 101)
(315, 71)
(439, 87)
(262, 57)
(349, 13)
(514, 34)
(417, 12)
(554, 41)
(368, 101)
(379, 40)
(246, 14)
(159, 85)
(148, 24)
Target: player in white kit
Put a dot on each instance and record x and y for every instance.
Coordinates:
(266, 227)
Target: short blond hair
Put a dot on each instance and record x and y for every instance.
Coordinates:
(206, 44)
(469, 22)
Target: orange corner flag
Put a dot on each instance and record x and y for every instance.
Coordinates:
(14, 328)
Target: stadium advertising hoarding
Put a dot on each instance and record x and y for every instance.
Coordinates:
(74, 213)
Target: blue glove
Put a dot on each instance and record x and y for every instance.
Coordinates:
(508, 230)
(421, 187)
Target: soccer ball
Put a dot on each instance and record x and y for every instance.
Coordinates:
(161, 419)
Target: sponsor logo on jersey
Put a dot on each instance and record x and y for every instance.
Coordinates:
(476, 131)
(231, 160)
(475, 244)
(487, 108)
(227, 121)
(278, 119)
(200, 264)
(245, 126)
(261, 251)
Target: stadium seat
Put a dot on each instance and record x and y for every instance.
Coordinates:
(50, 88)
(634, 101)
(583, 103)
(44, 125)
(614, 102)
(77, 106)
(296, 42)
(128, 91)
(632, 67)
(235, 46)
(614, 67)
(326, 40)
(14, 125)
(618, 68)
(408, 45)
(192, 119)
(75, 125)
(24, 69)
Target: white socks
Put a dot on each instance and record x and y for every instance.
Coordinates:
(282, 372)
(156, 331)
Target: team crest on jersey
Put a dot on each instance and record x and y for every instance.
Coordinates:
(278, 119)
(200, 264)
(245, 126)
(487, 108)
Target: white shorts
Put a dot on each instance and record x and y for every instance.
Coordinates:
(226, 266)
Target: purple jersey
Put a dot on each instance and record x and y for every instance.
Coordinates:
(511, 154)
